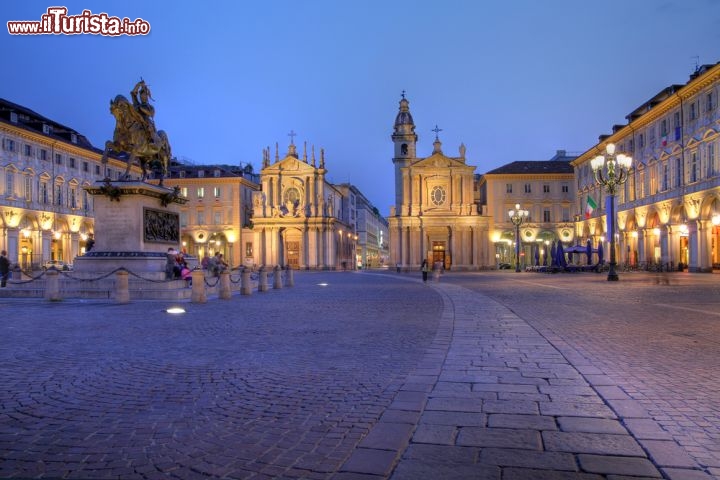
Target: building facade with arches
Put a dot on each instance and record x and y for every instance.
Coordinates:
(46, 214)
(668, 210)
(543, 188)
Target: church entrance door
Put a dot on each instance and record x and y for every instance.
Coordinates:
(292, 247)
(438, 253)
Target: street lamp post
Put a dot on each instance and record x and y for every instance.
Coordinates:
(517, 217)
(611, 171)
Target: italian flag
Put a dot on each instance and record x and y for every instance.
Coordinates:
(591, 206)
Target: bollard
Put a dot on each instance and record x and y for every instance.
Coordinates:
(245, 283)
(277, 279)
(262, 283)
(122, 287)
(52, 286)
(290, 279)
(225, 293)
(198, 294)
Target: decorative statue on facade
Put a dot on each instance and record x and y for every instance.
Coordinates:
(135, 134)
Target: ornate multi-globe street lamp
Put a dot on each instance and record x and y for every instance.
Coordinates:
(611, 171)
(517, 217)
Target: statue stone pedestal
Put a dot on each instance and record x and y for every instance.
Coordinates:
(135, 224)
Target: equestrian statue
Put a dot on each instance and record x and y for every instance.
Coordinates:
(135, 134)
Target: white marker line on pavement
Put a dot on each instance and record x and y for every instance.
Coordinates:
(709, 312)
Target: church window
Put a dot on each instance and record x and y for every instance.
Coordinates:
(403, 149)
(437, 196)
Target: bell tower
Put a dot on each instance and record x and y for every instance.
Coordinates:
(404, 138)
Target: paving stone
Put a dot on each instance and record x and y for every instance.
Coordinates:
(435, 434)
(500, 438)
(417, 469)
(607, 464)
(684, 474)
(591, 425)
(604, 444)
(528, 422)
(454, 405)
(667, 453)
(510, 406)
(645, 428)
(628, 408)
(372, 461)
(388, 436)
(575, 409)
(507, 457)
(534, 474)
(459, 419)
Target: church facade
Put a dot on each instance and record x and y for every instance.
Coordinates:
(299, 219)
(435, 216)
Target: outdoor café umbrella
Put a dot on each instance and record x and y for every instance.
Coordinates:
(600, 253)
(589, 252)
(545, 255)
(552, 253)
(537, 255)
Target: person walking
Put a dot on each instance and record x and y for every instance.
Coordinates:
(424, 269)
(4, 268)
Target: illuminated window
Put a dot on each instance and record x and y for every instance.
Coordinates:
(201, 192)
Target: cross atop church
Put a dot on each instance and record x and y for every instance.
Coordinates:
(292, 135)
(402, 94)
(436, 130)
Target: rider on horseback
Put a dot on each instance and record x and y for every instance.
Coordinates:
(145, 111)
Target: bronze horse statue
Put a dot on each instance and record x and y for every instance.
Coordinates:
(142, 144)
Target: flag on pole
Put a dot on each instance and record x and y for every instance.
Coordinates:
(591, 206)
(664, 140)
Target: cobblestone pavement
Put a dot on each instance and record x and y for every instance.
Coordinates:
(648, 345)
(282, 384)
(493, 375)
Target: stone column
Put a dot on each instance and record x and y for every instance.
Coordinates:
(642, 255)
(705, 228)
(693, 244)
(664, 250)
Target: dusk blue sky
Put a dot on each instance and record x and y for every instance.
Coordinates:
(512, 79)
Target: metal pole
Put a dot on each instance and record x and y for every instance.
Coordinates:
(517, 247)
(612, 275)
